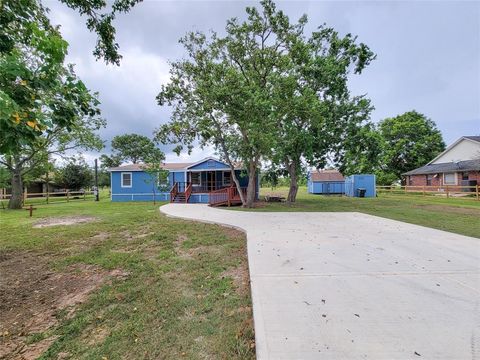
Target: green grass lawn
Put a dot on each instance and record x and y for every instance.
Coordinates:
(457, 215)
(169, 289)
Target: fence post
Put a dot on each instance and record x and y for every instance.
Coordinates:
(68, 199)
(423, 190)
(478, 192)
(405, 189)
(85, 196)
(448, 194)
(47, 194)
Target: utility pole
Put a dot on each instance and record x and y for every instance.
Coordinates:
(96, 192)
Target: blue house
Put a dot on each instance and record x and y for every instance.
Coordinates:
(206, 181)
(325, 182)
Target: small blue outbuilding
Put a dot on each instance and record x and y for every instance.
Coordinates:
(325, 182)
(356, 185)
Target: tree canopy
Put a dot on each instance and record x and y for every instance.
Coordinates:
(264, 91)
(38, 92)
(408, 141)
(134, 148)
(75, 174)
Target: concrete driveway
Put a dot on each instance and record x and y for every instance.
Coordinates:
(355, 286)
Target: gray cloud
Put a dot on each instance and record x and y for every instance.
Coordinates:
(428, 57)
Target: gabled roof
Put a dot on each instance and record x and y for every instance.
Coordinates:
(204, 160)
(467, 165)
(326, 175)
(470, 138)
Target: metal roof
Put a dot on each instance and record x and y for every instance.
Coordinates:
(466, 165)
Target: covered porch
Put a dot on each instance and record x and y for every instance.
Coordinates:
(215, 187)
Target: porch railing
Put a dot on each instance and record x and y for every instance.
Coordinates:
(226, 196)
(209, 186)
(188, 192)
(173, 192)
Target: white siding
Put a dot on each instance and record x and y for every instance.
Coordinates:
(464, 150)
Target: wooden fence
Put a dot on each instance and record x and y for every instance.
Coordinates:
(465, 192)
(48, 197)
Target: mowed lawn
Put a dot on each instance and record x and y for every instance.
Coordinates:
(129, 284)
(456, 215)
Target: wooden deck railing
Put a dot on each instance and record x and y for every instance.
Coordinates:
(173, 192)
(188, 192)
(226, 196)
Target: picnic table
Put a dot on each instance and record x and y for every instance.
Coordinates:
(274, 198)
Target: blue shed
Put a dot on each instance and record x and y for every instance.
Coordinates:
(361, 181)
(325, 182)
(205, 181)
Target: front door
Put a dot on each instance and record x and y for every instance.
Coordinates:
(211, 180)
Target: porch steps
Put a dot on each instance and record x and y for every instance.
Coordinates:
(179, 198)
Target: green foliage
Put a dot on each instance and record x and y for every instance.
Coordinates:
(409, 141)
(38, 92)
(74, 175)
(396, 145)
(135, 148)
(4, 178)
(107, 161)
(265, 92)
(99, 20)
(316, 118)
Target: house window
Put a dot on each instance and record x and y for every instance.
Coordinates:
(163, 180)
(227, 178)
(210, 163)
(429, 180)
(195, 178)
(465, 176)
(126, 180)
(450, 179)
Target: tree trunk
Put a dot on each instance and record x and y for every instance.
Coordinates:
(252, 171)
(16, 200)
(237, 183)
(292, 168)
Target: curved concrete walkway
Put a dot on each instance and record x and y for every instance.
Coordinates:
(355, 286)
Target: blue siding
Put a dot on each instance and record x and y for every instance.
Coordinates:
(142, 188)
(326, 187)
(209, 165)
(355, 182)
(176, 176)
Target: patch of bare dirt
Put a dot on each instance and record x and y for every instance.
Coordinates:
(31, 297)
(450, 209)
(240, 278)
(63, 221)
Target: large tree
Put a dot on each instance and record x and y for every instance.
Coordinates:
(75, 174)
(32, 70)
(222, 93)
(408, 141)
(315, 115)
(56, 142)
(134, 148)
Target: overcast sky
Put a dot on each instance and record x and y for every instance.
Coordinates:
(428, 57)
